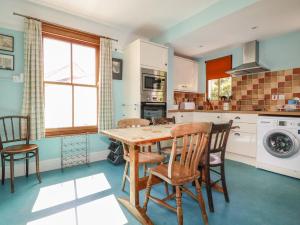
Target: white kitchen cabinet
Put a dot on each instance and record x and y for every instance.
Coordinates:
(207, 117)
(185, 75)
(182, 117)
(154, 56)
(242, 143)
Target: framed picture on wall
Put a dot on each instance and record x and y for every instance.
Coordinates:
(7, 62)
(6, 43)
(117, 69)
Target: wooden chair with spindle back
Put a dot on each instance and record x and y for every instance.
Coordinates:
(144, 157)
(11, 131)
(179, 173)
(215, 157)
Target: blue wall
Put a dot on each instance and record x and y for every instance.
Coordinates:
(277, 53)
(11, 100)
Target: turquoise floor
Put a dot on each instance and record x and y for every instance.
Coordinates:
(87, 195)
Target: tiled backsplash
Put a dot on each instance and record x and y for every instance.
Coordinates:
(251, 92)
(254, 92)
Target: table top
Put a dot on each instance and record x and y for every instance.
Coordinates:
(140, 135)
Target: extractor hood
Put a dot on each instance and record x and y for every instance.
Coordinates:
(250, 61)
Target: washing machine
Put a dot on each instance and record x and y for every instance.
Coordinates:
(278, 145)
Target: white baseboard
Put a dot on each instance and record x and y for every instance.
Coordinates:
(49, 164)
(280, 170)
(240, 158)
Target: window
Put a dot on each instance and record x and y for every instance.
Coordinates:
(219, 87)
(218, 82)
(70, 82)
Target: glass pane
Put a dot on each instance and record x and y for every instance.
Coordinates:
(85, 106)
(280, 143)
(57, 60)
(58, 106)
(225, 86)
(213, 86)
(84, 64)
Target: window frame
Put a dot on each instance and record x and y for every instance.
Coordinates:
(219, 87)
(50, 132)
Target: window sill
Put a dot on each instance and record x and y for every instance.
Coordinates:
(56, 132)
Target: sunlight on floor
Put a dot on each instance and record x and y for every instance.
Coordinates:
(102, 211)
(54, 195)
(105, 210)
(57, 194)
(92, 184)
(67, 217)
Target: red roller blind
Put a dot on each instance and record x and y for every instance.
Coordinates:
(216, 68)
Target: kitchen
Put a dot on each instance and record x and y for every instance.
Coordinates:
(190, 105)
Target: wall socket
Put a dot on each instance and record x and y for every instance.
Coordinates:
(281, 97)
(274, 97)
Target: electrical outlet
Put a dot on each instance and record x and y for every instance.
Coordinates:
(281, 97)
(274, 97)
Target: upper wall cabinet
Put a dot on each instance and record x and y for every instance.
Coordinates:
(154, 56)
(185, 74)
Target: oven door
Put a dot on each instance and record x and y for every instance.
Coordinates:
(153, 82)
(153, 110)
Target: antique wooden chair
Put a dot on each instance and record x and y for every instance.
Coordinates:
(11, 131)
(179, 173)
(145, 157)
(215, 157)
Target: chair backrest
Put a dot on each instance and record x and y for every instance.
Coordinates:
(163, 120)
(133, 122)
(195, 142)
(218, 140)
(13, 129)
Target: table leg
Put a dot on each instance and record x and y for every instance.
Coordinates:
(133, 204)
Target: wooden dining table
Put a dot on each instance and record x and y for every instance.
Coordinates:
(134, 138)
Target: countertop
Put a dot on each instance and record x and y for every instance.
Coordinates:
(270, 113)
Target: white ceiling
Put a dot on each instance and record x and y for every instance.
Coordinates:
(146, 18)
(272, 17)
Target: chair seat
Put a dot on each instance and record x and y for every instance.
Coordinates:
(180, 176)
(148, 157)
(167, 150)
(23, 148)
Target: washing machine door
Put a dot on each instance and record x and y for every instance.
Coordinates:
(281, 143)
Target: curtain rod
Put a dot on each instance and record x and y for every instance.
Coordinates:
(44, 21)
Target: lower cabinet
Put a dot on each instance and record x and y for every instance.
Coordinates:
(242, 143)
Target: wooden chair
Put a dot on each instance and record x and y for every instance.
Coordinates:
(179, 173)
(144, 157)
(215, 157)
(167, 149)
(11, 131)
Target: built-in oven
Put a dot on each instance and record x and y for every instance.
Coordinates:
(153, 110)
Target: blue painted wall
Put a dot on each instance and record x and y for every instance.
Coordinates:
(11, 100)
(277, 53)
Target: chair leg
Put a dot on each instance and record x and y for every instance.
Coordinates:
(201, 202)
(27, 164)
(167, 189)
(12, 185)
(179, 206)
(124, 175)
(223, 180)
(3, 168)
(37, 166)
(145, 169)
(208, 190)
(147, 192)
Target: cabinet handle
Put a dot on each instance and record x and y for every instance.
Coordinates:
(237, 118)
(235, 127)
(166, 64)
(218, 117)
(237, 134)
(181, 116)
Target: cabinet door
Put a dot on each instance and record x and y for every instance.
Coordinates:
(154, 56)
(207, 117)
(186, 117)
(185, 74)
(242, 144)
